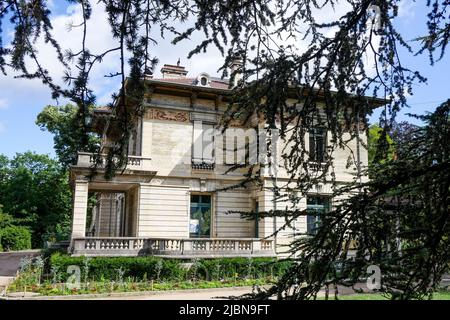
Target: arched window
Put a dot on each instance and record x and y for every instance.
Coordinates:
(203, 80)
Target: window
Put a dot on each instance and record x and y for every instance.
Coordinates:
(134, 145)
(256, 209)
(200, 222)
(203, 79)
(203, 143)
(317, 145)
(316, 206)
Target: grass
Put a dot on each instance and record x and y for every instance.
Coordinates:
(50, 289)
(376, 296)
(33, 279)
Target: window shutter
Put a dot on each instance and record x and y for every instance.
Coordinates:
(203, 142)
(208, 143)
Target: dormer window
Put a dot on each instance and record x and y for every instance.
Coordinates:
(203, 80)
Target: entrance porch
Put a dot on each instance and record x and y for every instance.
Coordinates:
(127, 216)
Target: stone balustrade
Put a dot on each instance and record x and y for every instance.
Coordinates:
(183, 248)
(86, 159)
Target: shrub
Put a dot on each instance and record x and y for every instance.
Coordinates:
(106, 268)
(162, 269)
(226, 268)
(15, 238)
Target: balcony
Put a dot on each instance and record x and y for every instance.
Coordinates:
(89, 160)
(172, 248)
(203, 165)
(317, 166)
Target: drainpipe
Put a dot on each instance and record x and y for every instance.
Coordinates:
(256, 218)
(275, 218)
(274, 133)
(358, 155)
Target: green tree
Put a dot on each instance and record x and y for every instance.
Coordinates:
(15, 238)
(36, 193)
(6, 220)
(335, 54)
(63, 123)
(380, 145)
(400, 222)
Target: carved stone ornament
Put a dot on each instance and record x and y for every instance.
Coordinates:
(157, 114)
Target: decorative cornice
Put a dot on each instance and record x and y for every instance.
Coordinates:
(148, 95)
(158, 114)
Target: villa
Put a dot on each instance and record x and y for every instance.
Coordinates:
(169, 199)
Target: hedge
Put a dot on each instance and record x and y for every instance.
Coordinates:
(154, 268)
(243, 267)
(14, 238)
(107, 268)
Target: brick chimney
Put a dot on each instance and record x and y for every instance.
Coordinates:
(171, 71)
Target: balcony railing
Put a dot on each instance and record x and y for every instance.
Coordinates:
(90, 160)
(317, 166)
(187, 248)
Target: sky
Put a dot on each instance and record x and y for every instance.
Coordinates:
(21, 100)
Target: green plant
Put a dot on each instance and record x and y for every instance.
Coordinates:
(15, 238)
(106, 267)
(245, 267)
(125, 274)
(36, 194)
(160, 269)
(6, 220)
(48, 288)
(30, 274)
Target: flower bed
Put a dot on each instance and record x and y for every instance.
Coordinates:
(60, 274)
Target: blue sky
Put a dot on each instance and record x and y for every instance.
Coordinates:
(21, 100)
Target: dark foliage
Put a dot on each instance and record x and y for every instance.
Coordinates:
(400, 222)
(13, 238)
(154, 268)
(35, 193)
(62, 122)
(328, 83)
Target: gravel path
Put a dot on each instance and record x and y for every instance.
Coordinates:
(9, 261)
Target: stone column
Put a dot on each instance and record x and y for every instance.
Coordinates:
(79, 209)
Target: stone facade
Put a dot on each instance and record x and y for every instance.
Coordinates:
(162, 190)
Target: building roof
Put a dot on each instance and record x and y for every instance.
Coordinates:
(102, 109)
(215, 83)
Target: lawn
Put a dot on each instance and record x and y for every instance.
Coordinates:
(375, 296)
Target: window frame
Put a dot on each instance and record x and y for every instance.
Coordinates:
(204, 159)
(326, 208)
(314, 156)
(211, 208)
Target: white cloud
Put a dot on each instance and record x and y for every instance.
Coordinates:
(406, 9)
(4, 104)
(2, 127)
(100, 39)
